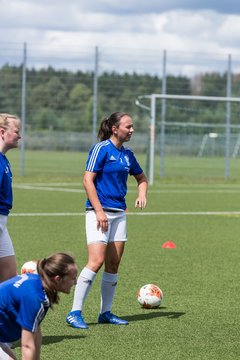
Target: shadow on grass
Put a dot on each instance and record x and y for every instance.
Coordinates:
(51, 339)
(154, 314)
(151, 314)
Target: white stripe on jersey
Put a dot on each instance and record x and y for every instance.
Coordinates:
(93, 156)
(92, 159)
(38, 318)
(40, 315)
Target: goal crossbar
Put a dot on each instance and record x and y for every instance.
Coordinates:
(188, 97)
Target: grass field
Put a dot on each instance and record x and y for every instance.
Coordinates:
(199, 317)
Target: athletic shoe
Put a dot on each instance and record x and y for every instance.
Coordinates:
(109, 318)
(75, 320)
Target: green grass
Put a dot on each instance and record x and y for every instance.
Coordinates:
(199, 317)
(70, 165)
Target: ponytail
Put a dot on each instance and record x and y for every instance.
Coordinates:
(56, 264)
(105, 130)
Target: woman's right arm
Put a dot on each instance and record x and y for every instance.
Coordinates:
(31, 344)
(88, 183)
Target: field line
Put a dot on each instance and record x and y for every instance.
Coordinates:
(161, 191)
(155, 213)
(47, 188)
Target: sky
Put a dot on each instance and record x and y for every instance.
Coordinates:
(56, 29)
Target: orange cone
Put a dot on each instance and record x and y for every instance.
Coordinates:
(169, 245)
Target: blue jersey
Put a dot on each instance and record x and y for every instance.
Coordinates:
(5, 185)
(23, 304)
(112, 166)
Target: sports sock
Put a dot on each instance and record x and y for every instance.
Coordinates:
(108, 287)
(82, 288)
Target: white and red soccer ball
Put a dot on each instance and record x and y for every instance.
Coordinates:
(150, 296)
(29, 267)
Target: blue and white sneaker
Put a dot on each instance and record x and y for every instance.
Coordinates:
(75, 320)
(109, 318)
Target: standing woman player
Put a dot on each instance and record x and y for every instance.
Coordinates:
(25, 300)
(9, 136)
(105, 182)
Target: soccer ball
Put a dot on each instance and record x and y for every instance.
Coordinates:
(150, 296)
(29, 267)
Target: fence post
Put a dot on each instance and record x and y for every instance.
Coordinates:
(163, 116)
(95, 97)
(228, 119)
(152, 139)
(23, 111)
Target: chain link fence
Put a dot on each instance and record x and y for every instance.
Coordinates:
(98, 81)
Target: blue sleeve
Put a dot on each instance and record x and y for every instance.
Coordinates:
(31, 312)
(135, 168)
(96, 158)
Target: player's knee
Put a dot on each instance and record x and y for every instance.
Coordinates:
(112, 267)
(95, 265)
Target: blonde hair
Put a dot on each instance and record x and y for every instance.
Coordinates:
(4, 119)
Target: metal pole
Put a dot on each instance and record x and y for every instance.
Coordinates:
(95, 97)
(163, 116)
(190, 97)
(228, 120)
(23, 111)
(152, 139)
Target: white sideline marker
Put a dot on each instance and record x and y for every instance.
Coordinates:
(160, 213)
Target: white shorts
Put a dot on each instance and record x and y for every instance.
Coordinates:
(3, 355)
(6, 246)
(117, 227)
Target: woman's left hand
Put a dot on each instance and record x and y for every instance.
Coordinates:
(141, 202)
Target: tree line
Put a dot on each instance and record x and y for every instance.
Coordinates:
(63, 100)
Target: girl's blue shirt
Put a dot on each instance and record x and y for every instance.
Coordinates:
(23, 304)
(6, 197)
(112, 167)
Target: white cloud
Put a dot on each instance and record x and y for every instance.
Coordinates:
(58, 30)
(228, 32)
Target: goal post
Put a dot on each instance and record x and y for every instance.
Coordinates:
(152, 98)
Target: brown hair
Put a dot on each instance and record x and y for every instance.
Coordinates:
(55, 264)
(105, 130)
(4, 119)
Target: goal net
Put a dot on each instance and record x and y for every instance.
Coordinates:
(191, 126)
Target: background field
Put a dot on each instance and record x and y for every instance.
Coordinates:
(199, 317)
